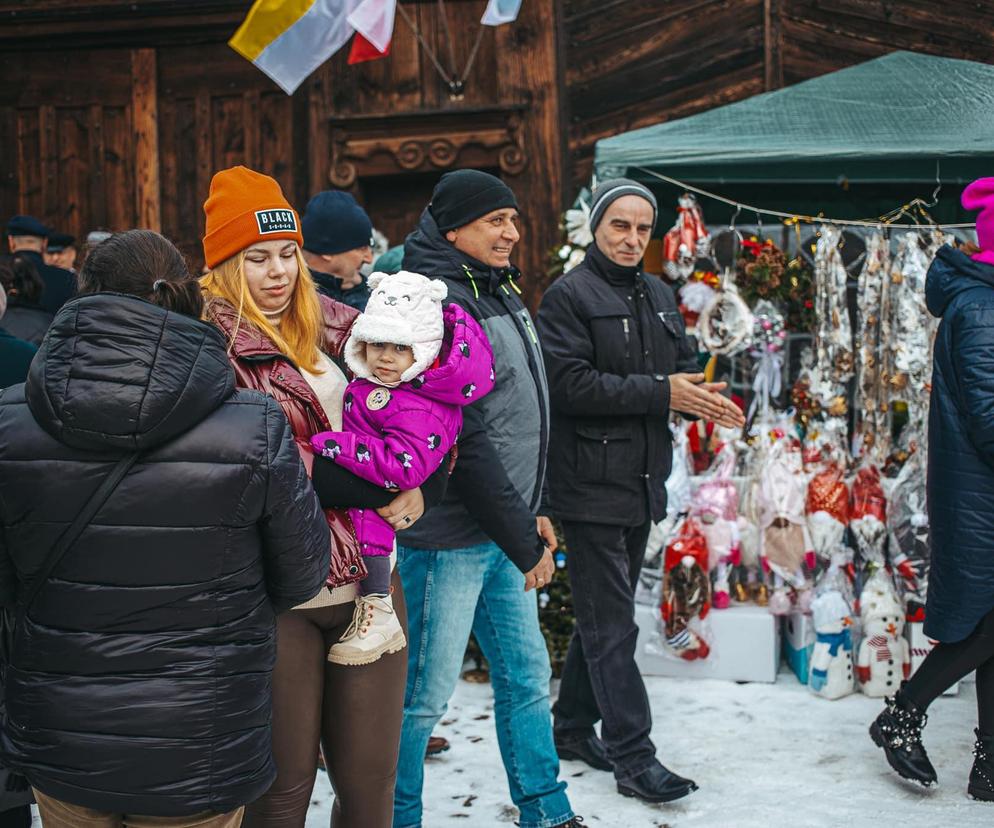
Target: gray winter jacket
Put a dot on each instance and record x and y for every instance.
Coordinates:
(497, 485)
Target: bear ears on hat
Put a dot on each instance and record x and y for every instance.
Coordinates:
(435, 288)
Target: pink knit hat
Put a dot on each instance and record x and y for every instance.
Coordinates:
(980, 196)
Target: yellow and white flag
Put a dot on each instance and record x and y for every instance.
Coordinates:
(289, 39)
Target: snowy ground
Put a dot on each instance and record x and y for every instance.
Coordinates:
(763, 754)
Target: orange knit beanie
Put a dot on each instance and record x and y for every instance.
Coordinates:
(245, 207)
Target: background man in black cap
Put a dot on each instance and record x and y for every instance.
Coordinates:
(619, 362)
(61, 251)
(338, 241)
(474, 561)
(29, 236)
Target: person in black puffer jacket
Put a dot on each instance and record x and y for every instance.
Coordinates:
(139, 683)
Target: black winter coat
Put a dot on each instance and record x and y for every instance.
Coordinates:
(27, 322)
(961, 447)
(611, 336)
(60, 284)
(140, 682)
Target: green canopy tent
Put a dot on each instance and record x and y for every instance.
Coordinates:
(859, 141)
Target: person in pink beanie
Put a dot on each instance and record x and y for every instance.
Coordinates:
(979, 195)
(416, 366)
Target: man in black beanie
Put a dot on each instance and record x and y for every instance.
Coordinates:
(474, 562)
(619, 362)
(338, 239)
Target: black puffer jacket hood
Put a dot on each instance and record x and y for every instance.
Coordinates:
(119, 373)
(139, 680)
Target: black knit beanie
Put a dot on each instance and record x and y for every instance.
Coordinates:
(463, 196)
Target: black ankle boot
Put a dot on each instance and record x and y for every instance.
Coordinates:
(982, 775)
(898, 730)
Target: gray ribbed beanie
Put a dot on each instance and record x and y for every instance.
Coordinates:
(607, 192)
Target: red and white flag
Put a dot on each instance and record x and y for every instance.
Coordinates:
(373, 23)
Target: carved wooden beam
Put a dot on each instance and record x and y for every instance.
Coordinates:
(426, 142)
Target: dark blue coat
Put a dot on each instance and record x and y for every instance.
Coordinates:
(961, 447)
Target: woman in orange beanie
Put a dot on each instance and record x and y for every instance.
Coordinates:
(286, 341)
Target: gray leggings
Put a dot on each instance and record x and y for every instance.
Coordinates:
(355, 713)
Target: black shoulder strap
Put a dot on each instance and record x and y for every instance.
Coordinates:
(68, 538)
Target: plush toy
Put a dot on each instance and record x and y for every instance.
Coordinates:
(827, 510)
(715, 506)
(686, 596)
(785, 545)
(868, 515)
(687, 240)
(831, 661)
(884, 658)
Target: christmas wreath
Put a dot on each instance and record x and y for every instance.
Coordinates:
(764, 272)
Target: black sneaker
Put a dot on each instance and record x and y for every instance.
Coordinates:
(898, 730)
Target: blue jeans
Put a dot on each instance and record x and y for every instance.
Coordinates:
(450, 592)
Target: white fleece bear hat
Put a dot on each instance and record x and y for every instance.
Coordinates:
(404, 309)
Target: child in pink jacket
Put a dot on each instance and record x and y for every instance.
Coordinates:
(416, 366)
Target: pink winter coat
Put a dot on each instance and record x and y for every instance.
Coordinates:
(397, 437)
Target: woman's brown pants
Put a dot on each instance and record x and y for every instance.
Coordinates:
(355, 713)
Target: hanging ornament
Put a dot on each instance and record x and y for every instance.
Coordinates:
(769, 336)
(686, 241)
(872, 408)
(695, 295)
(725, 324)
(910, 332)
(833, 338)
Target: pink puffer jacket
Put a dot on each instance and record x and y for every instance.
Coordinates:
(397, 437)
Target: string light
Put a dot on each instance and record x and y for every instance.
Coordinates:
(883, 221)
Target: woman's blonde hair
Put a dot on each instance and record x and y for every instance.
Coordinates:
(301, 330)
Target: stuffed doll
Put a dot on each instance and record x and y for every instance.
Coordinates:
(868, 515)
(686, 596)
(715, 506)
(884, 658)
(785, 545)
(831, 661)
(827, 510)
(687, 240)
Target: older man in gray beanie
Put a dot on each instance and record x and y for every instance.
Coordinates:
(618, 362)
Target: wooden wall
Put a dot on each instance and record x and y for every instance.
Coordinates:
(821, 36)
(633, 63)
(116, 114)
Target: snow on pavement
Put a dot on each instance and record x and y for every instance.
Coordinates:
(763, 754)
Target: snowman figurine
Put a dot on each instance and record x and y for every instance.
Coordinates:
(884, 658)
(831, 661)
